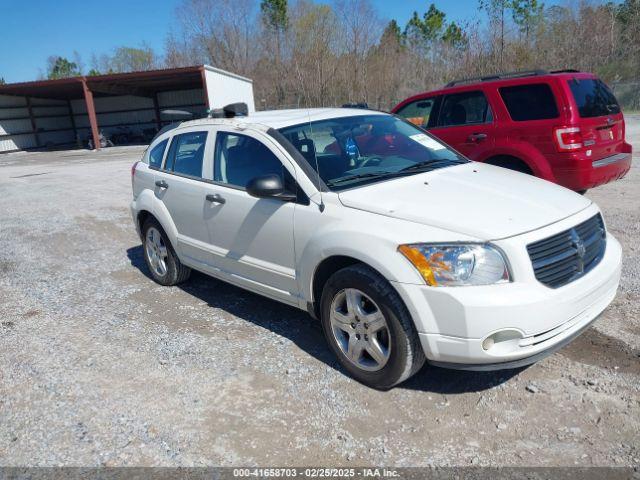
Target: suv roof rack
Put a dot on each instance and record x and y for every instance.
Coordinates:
(500, 76)
(565, 70)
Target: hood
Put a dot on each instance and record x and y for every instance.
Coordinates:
(474, 199)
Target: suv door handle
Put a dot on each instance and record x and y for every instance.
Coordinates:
(215, 198)
(162, 184)
(477, 137)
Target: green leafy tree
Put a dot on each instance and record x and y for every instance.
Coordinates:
(60, 67)
(454, 35)
(275, 20)
(93, 72)
(423, 32)
(428, 28)
(526, 14)
(414, 26)
(497, 11)
(2, 82)
(129, 59)
(433, 23)
(391, 33)
(274, 14)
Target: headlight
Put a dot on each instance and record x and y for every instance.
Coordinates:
(454, 265)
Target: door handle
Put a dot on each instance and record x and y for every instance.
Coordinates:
(215, 198)
(162, 184)
(477, 137)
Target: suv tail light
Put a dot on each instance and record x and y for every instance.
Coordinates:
(568, 138)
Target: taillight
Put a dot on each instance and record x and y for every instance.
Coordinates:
(568, 138)
(133, 171)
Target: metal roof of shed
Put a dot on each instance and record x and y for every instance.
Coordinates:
(143, 84)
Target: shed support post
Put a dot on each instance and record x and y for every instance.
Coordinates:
(91, 111)
(156, 108)
(34, 128)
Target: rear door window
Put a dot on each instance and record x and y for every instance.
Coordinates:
(593, 97)
(466, 108)
(418, 112)
(529, 102)
(186, 154)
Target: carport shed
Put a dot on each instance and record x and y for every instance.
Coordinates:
(51, 113)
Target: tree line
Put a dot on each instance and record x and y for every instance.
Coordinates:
(305, 53)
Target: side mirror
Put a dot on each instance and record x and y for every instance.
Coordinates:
(269, 186)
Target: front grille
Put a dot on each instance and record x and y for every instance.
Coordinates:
(569, 255)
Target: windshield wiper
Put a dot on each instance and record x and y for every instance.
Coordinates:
(428, 164)
(358, 176)
(425, 165)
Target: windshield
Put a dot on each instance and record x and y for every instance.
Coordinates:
(351, 151)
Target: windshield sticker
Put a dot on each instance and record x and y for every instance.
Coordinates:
(427, 141)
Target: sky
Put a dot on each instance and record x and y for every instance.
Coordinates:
(33, 30)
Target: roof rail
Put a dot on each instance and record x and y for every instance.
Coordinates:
(363, 105)
(565, 70)
(498, 76)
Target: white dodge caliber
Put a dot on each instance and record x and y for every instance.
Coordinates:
(402, 248)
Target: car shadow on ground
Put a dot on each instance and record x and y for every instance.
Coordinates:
(306, 333)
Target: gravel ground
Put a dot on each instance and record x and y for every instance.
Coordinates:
(101, 366)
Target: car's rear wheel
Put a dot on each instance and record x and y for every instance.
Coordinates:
(161, 259)
(511, 163)
(369, 328)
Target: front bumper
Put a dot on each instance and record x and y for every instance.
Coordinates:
(522, 362)
(454, 322)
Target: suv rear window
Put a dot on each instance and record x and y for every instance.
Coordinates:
(593, 98)
(529, 102)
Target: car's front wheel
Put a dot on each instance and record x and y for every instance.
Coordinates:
(161, 259)
(369, 328)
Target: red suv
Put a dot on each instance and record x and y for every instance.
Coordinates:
(563, 126)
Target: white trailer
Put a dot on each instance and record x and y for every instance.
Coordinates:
(224, 87)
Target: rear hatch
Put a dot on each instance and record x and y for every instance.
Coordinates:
(601, 122)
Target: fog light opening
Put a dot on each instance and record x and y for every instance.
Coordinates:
(488, 343)
(503, 339)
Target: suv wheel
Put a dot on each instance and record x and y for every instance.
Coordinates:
(369, 328)
(161, 259)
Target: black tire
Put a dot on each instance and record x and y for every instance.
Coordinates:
(176, 272)
(406, 356)
(511, 163)
(581, 192)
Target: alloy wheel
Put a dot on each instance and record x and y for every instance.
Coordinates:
(156, 252)
(360, 329)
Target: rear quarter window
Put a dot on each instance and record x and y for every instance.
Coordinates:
(593, 98)
(529, 102)
(156, 154)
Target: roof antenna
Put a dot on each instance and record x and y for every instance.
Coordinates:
(315, 156)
